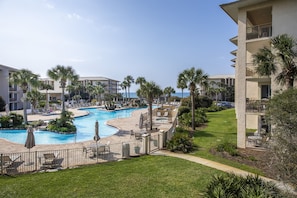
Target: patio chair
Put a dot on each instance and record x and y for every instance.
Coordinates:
(165, 114)
(10, 163)
(51, 160)
(159, 114)
(107, 146)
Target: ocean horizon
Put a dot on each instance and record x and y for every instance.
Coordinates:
(178, 94)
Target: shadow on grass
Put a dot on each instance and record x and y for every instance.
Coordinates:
(202, 134)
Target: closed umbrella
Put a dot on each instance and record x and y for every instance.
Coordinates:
(30, 141)
(96, 137)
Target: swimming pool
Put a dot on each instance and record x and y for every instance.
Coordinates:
(85, 128)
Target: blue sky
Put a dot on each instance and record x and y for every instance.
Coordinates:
(155, 39)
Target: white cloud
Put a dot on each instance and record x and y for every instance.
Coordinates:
(74, 16)
(49, 6)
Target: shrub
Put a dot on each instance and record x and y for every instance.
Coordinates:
(200, 101)
(228, 147)
(200, 118)
(233, 186)
(5, 121)
(2, 104)
(63, 124)
(181, 142)
(183, 109)
(12, 120)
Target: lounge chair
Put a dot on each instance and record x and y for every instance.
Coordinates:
(51, 160)
(166, 114)
(10, 163)
(159, 114)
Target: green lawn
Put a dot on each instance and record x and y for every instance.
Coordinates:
(220, 128)
(148, 176)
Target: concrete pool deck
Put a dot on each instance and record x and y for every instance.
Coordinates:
(125, 125)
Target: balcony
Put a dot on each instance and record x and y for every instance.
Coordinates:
(259, 31)
(256, 106)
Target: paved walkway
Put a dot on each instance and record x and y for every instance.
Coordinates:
(222, 167)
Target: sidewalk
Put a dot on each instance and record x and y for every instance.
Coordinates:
(222, 167)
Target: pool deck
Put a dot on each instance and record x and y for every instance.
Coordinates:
(125, 125)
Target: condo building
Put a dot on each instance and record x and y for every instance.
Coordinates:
(258, 21)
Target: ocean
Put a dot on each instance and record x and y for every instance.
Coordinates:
(179, 94)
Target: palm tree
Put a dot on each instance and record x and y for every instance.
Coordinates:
(192, 78)
(98, 91)
(140, 80)
(46, 86)
(89, 90)
(150, 90)
(24, 79)
(168, 91)
(124, 86)
(282, 54)
(129, 79)
(34, 97)
(62, 74)
(181, 84)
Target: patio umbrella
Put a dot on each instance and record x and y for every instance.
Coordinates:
(30, 141)
(7, 109)
(96, 137)
(141, 121)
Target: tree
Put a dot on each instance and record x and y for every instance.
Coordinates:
(168, 91)
(282, 55)
(129, 79)
(140, 81)
(98, 91)
(124, 86)
(62, 74)
(150, 90)
(281, 113)
(181, 84)
(34, 97)
(90, 90)
(192, 78)
(25, 79)
(46, 86)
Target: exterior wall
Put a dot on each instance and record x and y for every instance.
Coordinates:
(10, 93)
(283, 21)
(252, 121)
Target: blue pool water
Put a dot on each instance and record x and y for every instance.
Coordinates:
(85, 129)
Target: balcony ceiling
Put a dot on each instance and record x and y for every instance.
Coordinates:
(260, 16)
(232, 8)
(253, 46)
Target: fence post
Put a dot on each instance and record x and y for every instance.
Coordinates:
(36, 161)
(1, 163)
(145, 143)
(161, 139)
(67, 161)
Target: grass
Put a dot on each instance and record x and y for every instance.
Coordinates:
(148, 176)
(220, 128)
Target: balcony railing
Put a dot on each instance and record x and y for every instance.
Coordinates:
(259, 31)
(256, 106)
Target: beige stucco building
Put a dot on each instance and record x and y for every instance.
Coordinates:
(110, 86)
(258, 21)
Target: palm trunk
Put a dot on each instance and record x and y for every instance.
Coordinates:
(151, 114)
(25, 107)
(193, 110)
(63, 101)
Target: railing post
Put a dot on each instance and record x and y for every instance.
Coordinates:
(1, 163)
(35, 160)
(67, 161)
